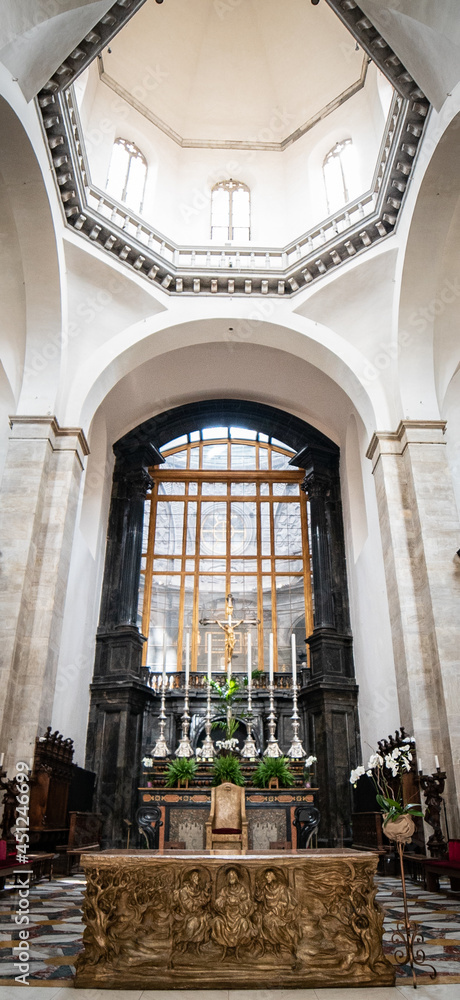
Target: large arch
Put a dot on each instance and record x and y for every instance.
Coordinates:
(119, 694)
(34, 296)
(429, 308)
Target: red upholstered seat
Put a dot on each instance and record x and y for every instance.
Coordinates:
(454, 850)
(444, 864)
(225, 829)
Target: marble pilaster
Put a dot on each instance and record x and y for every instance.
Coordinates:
(420, 533)
(40, 490)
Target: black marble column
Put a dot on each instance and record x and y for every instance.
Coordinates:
(328, 699)
(119, 693)
(318, 488)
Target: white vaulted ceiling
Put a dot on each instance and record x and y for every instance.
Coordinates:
(226, 69)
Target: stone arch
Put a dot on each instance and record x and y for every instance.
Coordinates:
(32, 302)
(429, 308)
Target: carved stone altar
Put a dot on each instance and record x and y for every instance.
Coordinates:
(209, 920)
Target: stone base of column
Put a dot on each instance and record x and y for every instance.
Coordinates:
(331, 653)
(113, 750)
(329, 709)
(119, 653)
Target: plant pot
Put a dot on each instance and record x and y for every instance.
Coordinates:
(401, 829)
(182, 782)
(273, 783)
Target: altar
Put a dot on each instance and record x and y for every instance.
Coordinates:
(210, 920)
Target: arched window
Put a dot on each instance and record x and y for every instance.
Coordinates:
(340, 175)
(226, 515)
(127, 174)
(230, 211)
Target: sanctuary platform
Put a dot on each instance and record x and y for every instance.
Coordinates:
(213, 920)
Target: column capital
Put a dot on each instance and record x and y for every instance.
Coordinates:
(317, 485)
(132, 484)
(407, 433)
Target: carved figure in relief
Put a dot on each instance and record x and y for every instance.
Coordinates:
(191, 912)
(233, 928)
(279, 913)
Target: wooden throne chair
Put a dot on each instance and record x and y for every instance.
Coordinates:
(227, 826)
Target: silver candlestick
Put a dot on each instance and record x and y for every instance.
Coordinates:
(249, 749)
(160, 749)
(296, 750)
(272, 749)
(185, 747)
(207, 750)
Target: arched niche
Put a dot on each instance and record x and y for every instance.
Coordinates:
(120, 696)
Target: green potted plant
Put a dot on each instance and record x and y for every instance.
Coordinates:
(227, 769)
(273, 772)
(229, 694)
(180, 771)
(398, 823)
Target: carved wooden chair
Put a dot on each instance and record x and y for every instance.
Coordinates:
(227, 826)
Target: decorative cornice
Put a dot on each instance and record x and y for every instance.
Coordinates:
(247, 270)
(408, 432)
(47, 427)
(276, 147)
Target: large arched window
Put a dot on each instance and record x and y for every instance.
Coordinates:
(127, 174)
(226, 515)
(230, 212)
(340, 175)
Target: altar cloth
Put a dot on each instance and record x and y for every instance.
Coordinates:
(210, 920)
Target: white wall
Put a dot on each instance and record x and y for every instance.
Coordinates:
(372, 642)
(287, 189)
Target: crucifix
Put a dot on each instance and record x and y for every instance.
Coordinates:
(228, 627)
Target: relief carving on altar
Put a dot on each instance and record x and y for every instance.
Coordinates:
(221, 922)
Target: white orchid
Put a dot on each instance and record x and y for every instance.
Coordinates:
(310, 760)
(375, 760)
(389, 797)
(356, 774)
(227, 744)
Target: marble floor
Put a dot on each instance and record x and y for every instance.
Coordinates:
(432, 992)
(56, 938)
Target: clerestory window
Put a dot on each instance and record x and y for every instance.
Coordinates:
(340, 175)
(226, 515)
(230, 212)
(127, 174)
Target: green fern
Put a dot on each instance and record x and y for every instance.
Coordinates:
(273, 767)
(227, 769)
(181, 769)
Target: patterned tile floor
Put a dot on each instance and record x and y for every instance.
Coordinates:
(56, 938)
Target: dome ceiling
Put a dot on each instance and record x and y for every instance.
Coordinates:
(222, 73)
(250, 71)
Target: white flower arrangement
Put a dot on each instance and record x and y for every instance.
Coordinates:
(398, 762)
(310, 760)
(147, 762)
(230, 745)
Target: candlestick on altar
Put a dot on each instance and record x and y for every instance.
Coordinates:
(272, 749)
(432, 786)
(160, 749)
(249, 748)
(296, 750)
(185, 747)
(207, 750)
